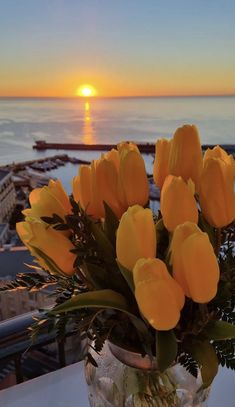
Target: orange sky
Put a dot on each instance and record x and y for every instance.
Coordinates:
(159, 83)
(51, 48)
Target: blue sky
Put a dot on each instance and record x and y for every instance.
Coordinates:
(122, 47)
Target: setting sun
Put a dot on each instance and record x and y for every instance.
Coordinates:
(86, 91)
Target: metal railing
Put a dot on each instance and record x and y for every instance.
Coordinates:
(15, 342)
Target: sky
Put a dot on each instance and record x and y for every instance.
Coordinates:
(121, 47)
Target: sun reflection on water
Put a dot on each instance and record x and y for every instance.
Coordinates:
(88, 132)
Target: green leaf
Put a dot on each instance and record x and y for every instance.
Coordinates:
(94, 299)
(111, 224)
(98, 276)
(48, 219)
(128, 275)
(105, 299)
(102, 277)
(219, 330)
(166, 349)
(103, 242)
(205, 355)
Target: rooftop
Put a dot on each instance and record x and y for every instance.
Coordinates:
(3, 173)
(13, 262)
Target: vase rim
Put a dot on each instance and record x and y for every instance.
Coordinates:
(132, 358)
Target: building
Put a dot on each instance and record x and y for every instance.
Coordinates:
(7, 195)
(4, 233)
(16, 308)
(19, 301)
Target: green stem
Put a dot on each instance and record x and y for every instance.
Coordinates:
(218, 241)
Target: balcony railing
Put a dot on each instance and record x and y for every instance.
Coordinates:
(15, 342)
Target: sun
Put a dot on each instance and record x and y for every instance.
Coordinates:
(86, 91)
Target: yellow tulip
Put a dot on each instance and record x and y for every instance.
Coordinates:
(185, 158)
(218, 152)
(195, 266)
(86, 190)
(118, 178)
(133, 186)
(113, 156)
(177, 203)
(48, 200)
(159, 297)
(49, 241)
(136, 236)
(161, 161)
(107, 181)
(126, 146)
(216, 193)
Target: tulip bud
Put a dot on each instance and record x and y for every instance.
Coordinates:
(218, 152)
(50, 242)
(86, 190)
(195, 266)
(133, 184)
(161, 162)
(126, 146)
(216, 194)
(136, 236)
(113, 156)
(81, 186)
(159, 297)
(107, 181)
(117, 178)
(48, 200)
(177, 203)
(185, 158)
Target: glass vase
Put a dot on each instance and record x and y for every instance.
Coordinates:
(126, 379)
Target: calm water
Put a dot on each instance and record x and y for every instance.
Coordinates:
(108, 121)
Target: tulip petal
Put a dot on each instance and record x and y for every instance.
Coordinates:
(57, 189)
(133, 181)
(147, 270)
(161, 161)
(177, 203)
(195, 266)
(216, 194)
(201, 268)
(107, 180)
(136, 236)
(158, 304)
(114, 157)
(48, 200)
(51, 242)
(185, 158)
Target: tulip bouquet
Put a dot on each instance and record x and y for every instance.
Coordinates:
(161, 284)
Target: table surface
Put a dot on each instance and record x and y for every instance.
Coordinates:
(67, 388)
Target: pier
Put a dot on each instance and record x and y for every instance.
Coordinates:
(43, 145)
(147, 148)
(45, 163)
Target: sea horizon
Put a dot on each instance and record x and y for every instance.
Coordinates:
(82, 98)
(107, 120)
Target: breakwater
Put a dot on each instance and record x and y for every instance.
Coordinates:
(147, 148)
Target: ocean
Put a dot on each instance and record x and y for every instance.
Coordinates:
(108, 120)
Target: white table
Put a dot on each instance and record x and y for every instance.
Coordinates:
(67, 388)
